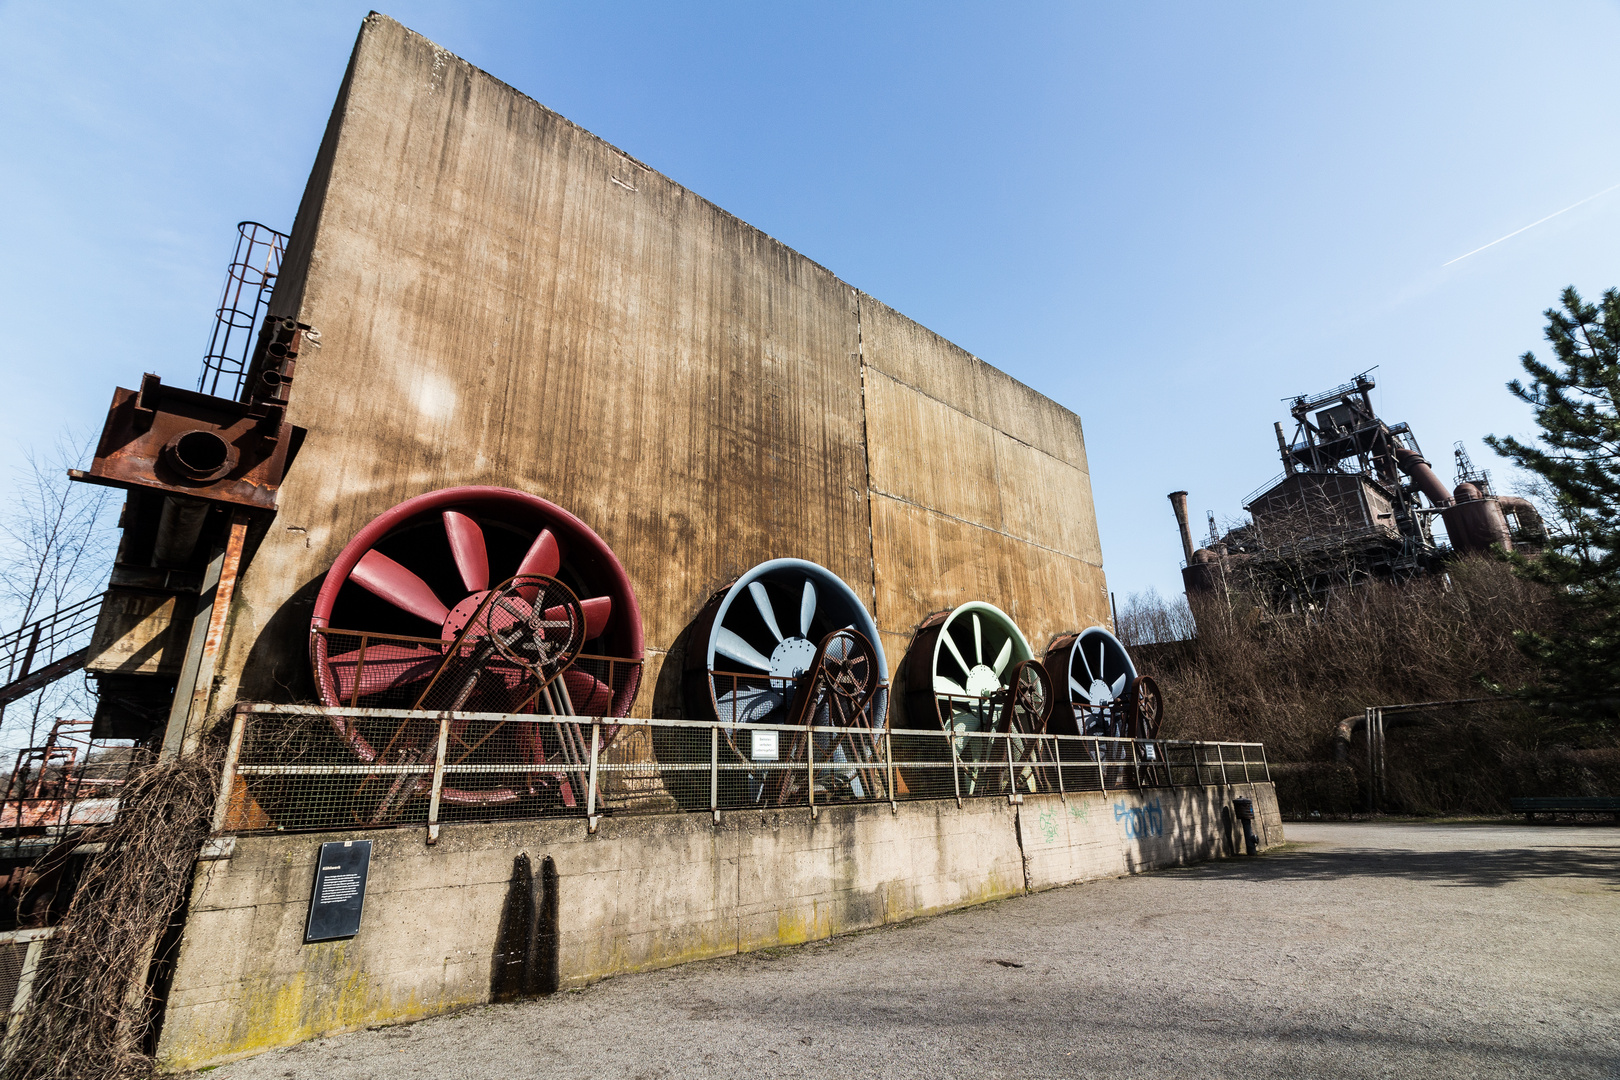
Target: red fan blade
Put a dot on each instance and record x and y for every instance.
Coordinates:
(377, 573)
(590, 695)
(597, 610)
(467, 546)
(542, 558)
(385, 667)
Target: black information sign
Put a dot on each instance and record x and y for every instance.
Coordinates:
(340, 891)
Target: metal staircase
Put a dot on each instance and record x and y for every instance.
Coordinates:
(38, 653)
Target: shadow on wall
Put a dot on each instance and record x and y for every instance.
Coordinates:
(277, 666)
(1460, 869)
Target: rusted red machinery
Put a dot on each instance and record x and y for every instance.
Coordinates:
(200, 470)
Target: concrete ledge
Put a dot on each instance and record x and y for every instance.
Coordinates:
(642, 893)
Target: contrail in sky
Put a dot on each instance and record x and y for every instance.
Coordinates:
(1532, 225)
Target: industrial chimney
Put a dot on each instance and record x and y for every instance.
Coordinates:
(1178, 499)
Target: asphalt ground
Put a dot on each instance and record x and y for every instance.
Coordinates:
(1398, 950)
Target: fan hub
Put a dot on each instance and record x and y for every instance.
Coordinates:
(1101, 692)
(792, 658)
(982, 681)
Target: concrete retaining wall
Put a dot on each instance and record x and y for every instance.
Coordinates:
(641, 893)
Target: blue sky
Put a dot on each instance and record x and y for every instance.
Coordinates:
(1167, 217)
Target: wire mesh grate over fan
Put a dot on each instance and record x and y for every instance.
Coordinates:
(477, 599)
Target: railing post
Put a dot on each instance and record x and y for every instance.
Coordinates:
(1057, 757)
(714, 771)
(1378, 715)
(227, 780)
(888, 757)
(810, 768)
(956, 778)
(438, 778)
(1367, 722)
(590, 786)
(1013, 795)
(1265, 762)
(1102, 776)
(1136, 763)
(1220, 755)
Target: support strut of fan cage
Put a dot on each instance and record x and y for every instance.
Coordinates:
(836, 692)
(525, 633)
(1144, 713)
(1026, 707)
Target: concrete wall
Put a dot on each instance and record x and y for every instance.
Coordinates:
(643, 892)
(504, 298)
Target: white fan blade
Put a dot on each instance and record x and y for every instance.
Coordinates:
(807, 608)
(1082, 691)
(978, 639)
(1119, 686)
(1081, 653)
(729, 644)
(945, 636)
(763, 602)
(1002, 658)
(748, 706)
(942, 685)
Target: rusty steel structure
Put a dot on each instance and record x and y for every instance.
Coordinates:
(1355, 502)
(201, 471)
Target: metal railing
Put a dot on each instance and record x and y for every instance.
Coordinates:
(291, 768)
(47, 648)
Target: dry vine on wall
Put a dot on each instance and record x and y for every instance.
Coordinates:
(92, 1002)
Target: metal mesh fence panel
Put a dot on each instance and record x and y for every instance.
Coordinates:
(310, 767)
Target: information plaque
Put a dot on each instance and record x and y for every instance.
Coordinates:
(340, 891)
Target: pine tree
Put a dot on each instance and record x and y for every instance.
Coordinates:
(1576, 400)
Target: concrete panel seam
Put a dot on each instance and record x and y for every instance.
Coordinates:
(920, 392)
(977, 525)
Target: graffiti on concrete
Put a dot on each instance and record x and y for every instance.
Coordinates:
(1140, 822)
(1079, 811)
(1048, 826)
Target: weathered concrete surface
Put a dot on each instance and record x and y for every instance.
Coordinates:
(642, 893)
(506, 299)
(1406, 951)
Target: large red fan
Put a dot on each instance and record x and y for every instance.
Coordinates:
(478, 599)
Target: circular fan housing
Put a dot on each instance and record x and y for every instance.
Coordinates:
(753, 640)
(421, 572)
(958, 659)
(1098, 673)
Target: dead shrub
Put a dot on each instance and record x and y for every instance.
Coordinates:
(92, 1002)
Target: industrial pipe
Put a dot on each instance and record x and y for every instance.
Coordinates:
(1524, 511)
(1414, 465)
(1178, 499)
